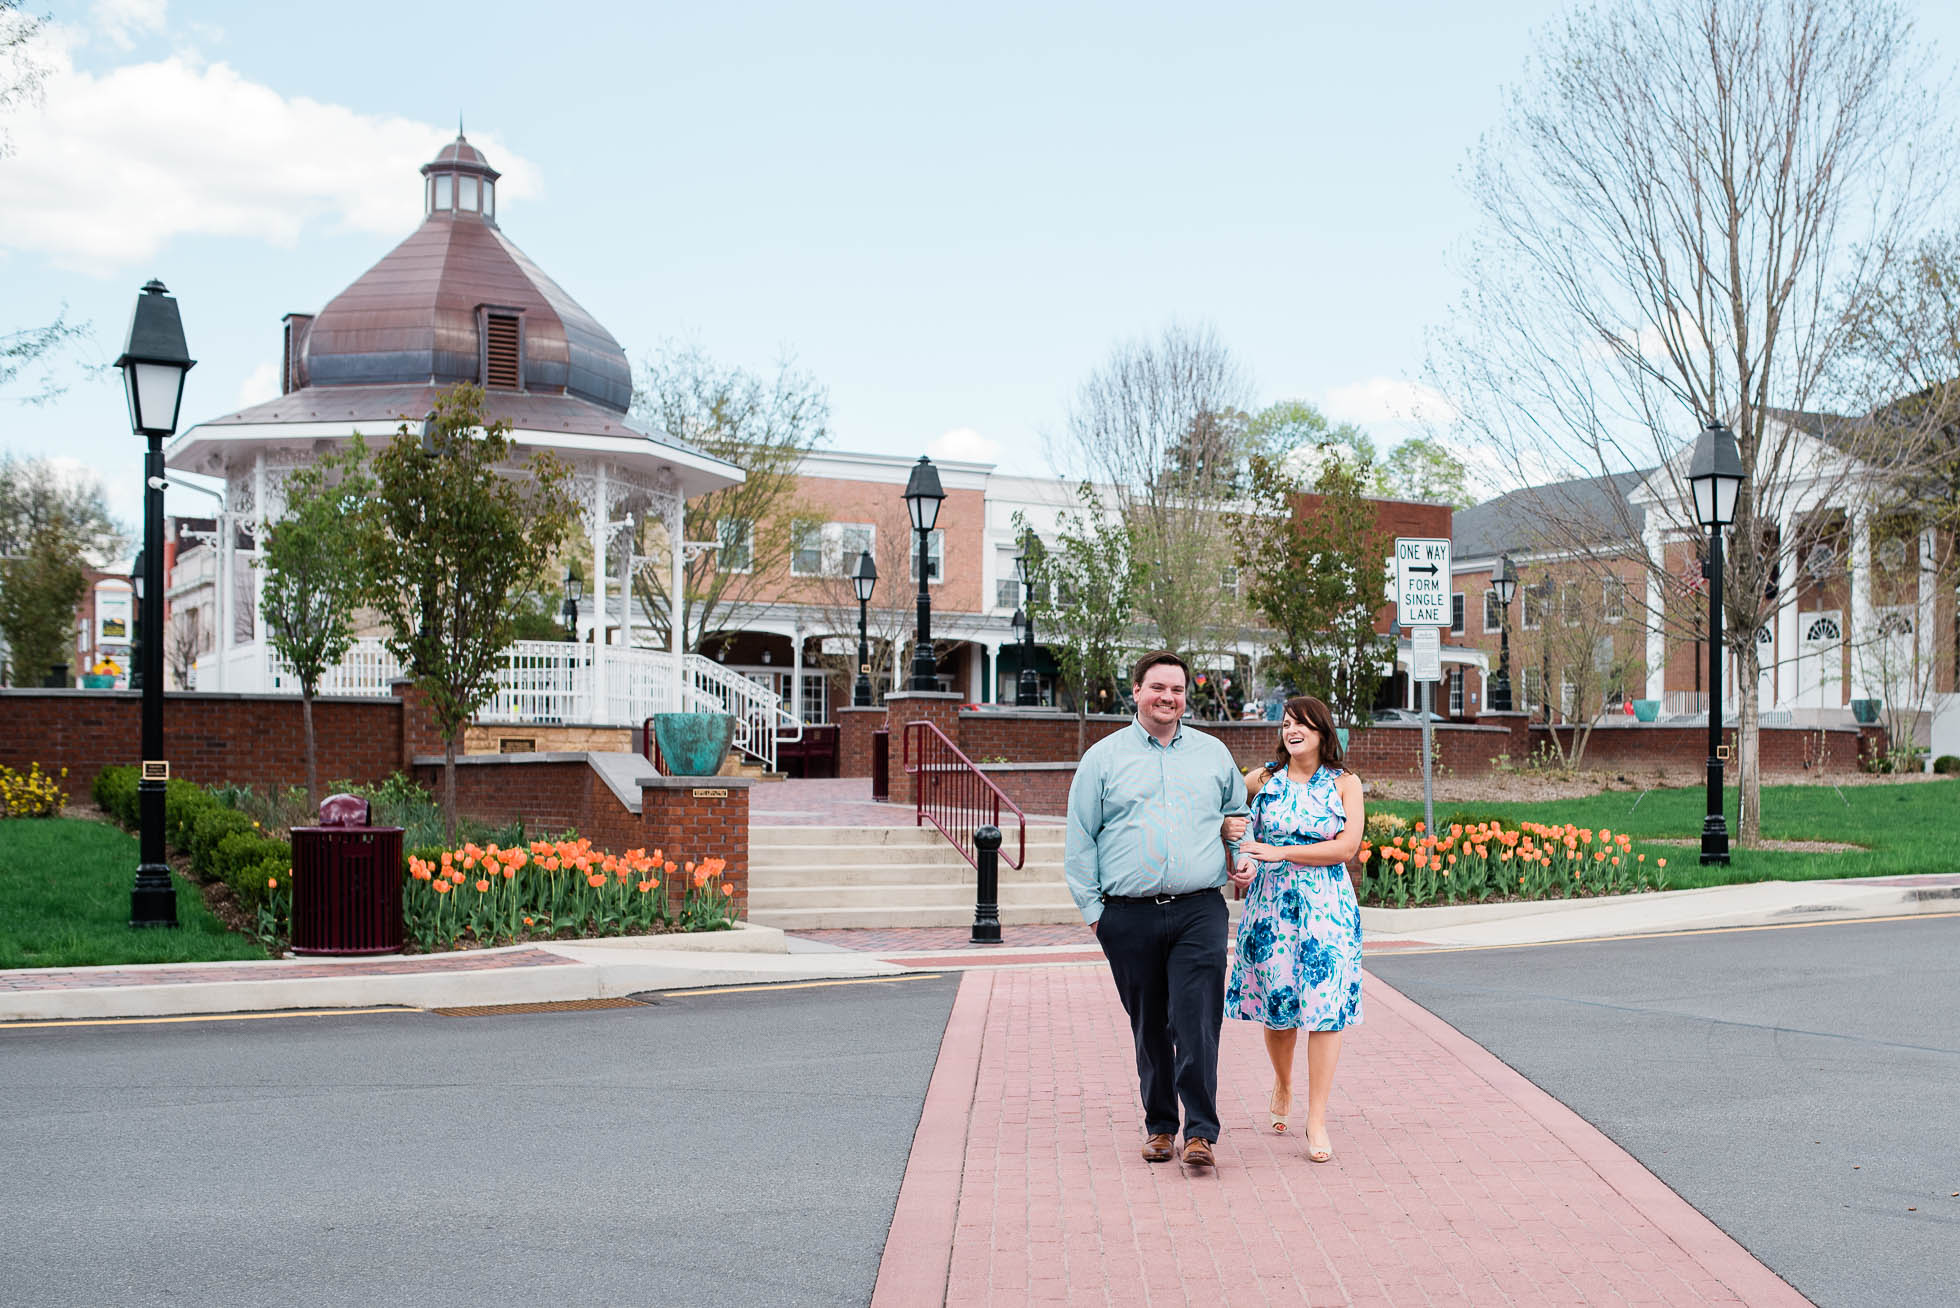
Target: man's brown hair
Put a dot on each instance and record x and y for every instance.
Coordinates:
(1154, 658)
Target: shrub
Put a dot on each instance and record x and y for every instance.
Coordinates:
(1947, 765)
(210, 828)
(239, 860)
(35, 794)
(115, 791)
(183, 803)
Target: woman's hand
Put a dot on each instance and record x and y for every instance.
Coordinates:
(1243, 873)
(1234, 828)
(1261, 852)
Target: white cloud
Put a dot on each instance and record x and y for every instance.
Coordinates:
(261, 384)
(218, 155)
(964, 444)
(117, 19)
(1385, 400)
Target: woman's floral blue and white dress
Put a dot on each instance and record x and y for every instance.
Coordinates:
(1299, 946)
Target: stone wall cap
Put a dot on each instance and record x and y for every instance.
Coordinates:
(696, 783)
(204, 696)
(953, 695)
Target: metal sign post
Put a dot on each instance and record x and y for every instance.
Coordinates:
(1422, 605)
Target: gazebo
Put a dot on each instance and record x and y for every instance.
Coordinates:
(457, 301)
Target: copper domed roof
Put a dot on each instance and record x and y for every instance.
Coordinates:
(422, 314)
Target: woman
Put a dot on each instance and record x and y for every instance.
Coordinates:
(1298, 963)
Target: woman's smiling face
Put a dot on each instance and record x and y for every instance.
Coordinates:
(1302, 741)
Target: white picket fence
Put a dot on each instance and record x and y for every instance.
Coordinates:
(547, 682)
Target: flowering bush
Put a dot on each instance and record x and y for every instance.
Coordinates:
(486, 894)
(1489, 861)
(36, 794)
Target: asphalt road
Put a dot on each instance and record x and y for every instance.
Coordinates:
(1800, 1087)
(727, 1149)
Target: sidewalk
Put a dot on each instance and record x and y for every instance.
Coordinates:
(1454, 1180)
(604, 969)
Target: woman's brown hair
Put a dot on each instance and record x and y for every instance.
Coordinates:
(1307, 710)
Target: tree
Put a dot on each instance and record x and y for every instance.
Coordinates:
(1585, 649)
(314, 579)
(35, 492)
(181, 649)
(21, 74)
(458, 530)
(1162, 423)
(1674, 210)
(1083, 601)
(40, 588)
(764, 426)
(1424, 469)
(1318, 571)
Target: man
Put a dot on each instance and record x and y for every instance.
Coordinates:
(1145, 861)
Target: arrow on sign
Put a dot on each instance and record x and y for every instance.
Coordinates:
(1429, 568)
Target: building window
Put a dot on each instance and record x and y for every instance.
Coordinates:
(1456, 690)
(1229, 580)
(1456, 613)
(1823, 629)
(737, 539)
(445, 191)
(805, 549)
(1493, 613)
(816, 697)
(829, 549)
(1615, 598)
(1537, 602)
(935, 554)
(466, 194)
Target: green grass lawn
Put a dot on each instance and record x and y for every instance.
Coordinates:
(64, 902)
(1904, 828)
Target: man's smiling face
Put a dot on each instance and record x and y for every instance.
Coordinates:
(1160, 696)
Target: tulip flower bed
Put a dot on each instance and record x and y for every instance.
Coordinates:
(1484, 861)
(556, 889)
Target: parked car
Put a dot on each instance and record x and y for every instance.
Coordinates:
(1405, 715)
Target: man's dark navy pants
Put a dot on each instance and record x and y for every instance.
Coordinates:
(1169, 963)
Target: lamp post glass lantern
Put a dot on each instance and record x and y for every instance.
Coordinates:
(1715, 476)
(922, 500)
(1505, 584)
(574, 592)
(864, 581)
(153, 363)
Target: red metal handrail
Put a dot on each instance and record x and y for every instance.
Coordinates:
(955, 796)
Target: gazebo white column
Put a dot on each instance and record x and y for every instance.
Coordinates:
(673, 511)
(597, 519)
(1862, 630)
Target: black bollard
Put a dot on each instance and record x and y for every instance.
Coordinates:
(986, 905)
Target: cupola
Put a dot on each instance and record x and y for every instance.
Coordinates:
(459, 181)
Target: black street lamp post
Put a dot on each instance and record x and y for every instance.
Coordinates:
(922, 500)
(1027, 687)
(153, 365)
(1715, 474)
(1505, 583)
(865, 580)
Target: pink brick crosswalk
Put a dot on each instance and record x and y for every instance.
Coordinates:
(1455, 1180)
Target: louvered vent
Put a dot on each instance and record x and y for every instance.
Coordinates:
(500, 339)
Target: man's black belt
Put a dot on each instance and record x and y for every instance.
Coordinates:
(1156, 899)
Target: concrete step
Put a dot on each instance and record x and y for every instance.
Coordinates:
(761, 837)
(821, 919)
(895, 874)
(880, 898)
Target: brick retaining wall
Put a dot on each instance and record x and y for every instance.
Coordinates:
(208, 737)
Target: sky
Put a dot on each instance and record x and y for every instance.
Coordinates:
(948, 216)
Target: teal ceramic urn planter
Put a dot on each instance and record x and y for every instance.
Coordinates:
(1646, 710)
(693, 744)
(1865, 711)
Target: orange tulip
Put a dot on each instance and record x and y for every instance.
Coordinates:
(482, 887)
(595, 881)
(727, 889)
(272, 883)
(442, 887)
(527, 921)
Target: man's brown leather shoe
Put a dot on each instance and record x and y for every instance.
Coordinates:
(1157, 1149)
(1197, 1152)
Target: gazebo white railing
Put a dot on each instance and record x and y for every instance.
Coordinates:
(552, 682)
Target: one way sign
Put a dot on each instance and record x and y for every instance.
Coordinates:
(1422, 581)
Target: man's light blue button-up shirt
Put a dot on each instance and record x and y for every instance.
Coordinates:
(1143, 818)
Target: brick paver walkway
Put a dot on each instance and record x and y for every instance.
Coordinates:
(1455, 1180)
(832, 803)
(278, 970)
